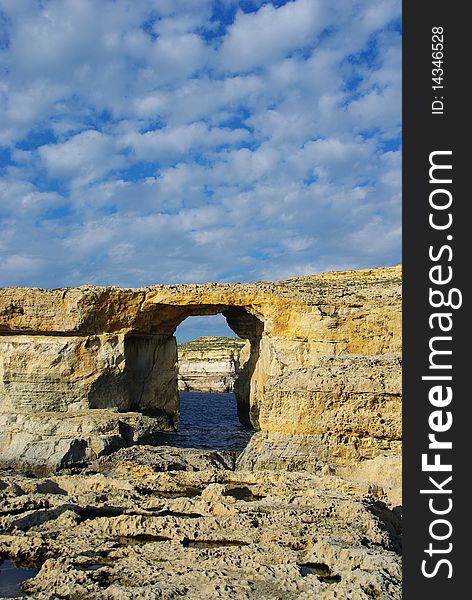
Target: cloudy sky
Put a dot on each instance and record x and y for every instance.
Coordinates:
(146, 141)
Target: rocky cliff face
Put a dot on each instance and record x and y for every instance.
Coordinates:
(211, 364)
(321, 384)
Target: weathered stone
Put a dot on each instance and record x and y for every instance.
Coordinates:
(166, 458)
(57, 373)
(345, 410)
(46, 441)
(134, 531)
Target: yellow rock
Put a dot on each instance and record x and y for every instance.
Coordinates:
(322, 382)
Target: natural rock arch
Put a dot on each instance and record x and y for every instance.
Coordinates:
(150, 378)
(87, 365)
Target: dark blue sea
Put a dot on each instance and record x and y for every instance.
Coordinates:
(209, 422)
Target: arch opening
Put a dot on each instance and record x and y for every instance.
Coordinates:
(213, 385)
(141, 367)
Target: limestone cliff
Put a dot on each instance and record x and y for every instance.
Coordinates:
(210, 363)
(321, 384)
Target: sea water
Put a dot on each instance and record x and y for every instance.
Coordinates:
(207, 421)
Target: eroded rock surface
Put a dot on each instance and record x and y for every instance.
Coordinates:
(168, 523)
(44, 442)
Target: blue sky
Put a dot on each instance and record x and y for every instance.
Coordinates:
(146, 141)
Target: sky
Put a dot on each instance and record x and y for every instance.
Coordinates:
(171, 141)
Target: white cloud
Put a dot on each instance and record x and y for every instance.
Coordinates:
(22, 199)
(177, 55)
(170, 143)
(265, 36)
(150, 140)
(83, 158)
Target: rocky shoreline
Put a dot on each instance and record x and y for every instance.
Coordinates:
(157, 522)
(309, 510)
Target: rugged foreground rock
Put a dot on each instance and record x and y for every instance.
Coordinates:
(85, 371)
(160, 523)
(211, 364)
